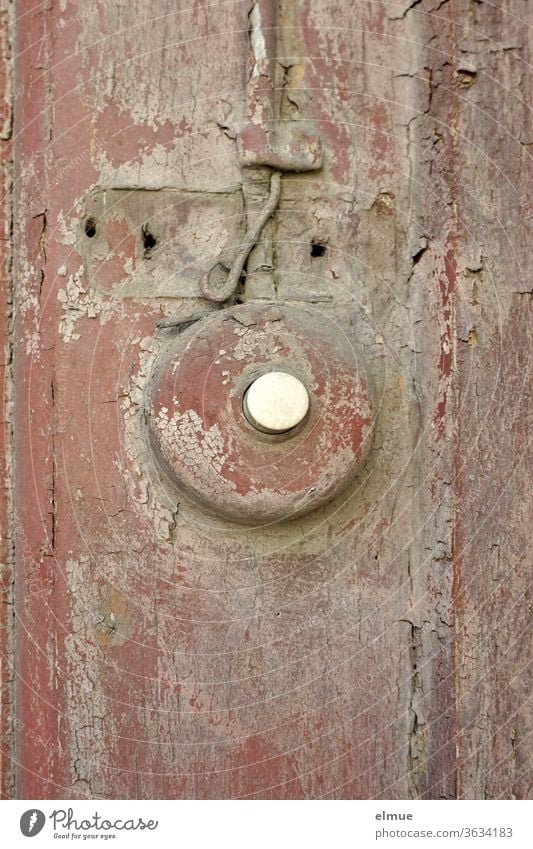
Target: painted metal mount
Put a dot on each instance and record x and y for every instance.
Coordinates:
(205, 444)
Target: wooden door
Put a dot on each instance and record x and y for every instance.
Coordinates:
(375, 647)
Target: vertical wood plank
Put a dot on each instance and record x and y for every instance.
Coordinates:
(474, 170)
(7, 717)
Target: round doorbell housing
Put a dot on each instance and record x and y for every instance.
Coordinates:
(260, 413)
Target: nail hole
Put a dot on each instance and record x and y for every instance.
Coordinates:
(149, 241)
(90, 228)
(466, 76)
(317, 249)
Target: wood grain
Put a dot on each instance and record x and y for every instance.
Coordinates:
(376, 648)
(8, 529)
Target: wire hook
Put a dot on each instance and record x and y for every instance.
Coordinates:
(220, 282)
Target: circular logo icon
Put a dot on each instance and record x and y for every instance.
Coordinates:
(32, 822)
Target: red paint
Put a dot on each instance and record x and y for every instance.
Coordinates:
(6, 541)
(447, 281)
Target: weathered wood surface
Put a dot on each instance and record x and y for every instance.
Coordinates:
(7, 528)
(377, 648)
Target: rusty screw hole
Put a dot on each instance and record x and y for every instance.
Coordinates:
(149, 241)
(90, 228)
(317, 249)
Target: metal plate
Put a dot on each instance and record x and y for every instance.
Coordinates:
(148, 244)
